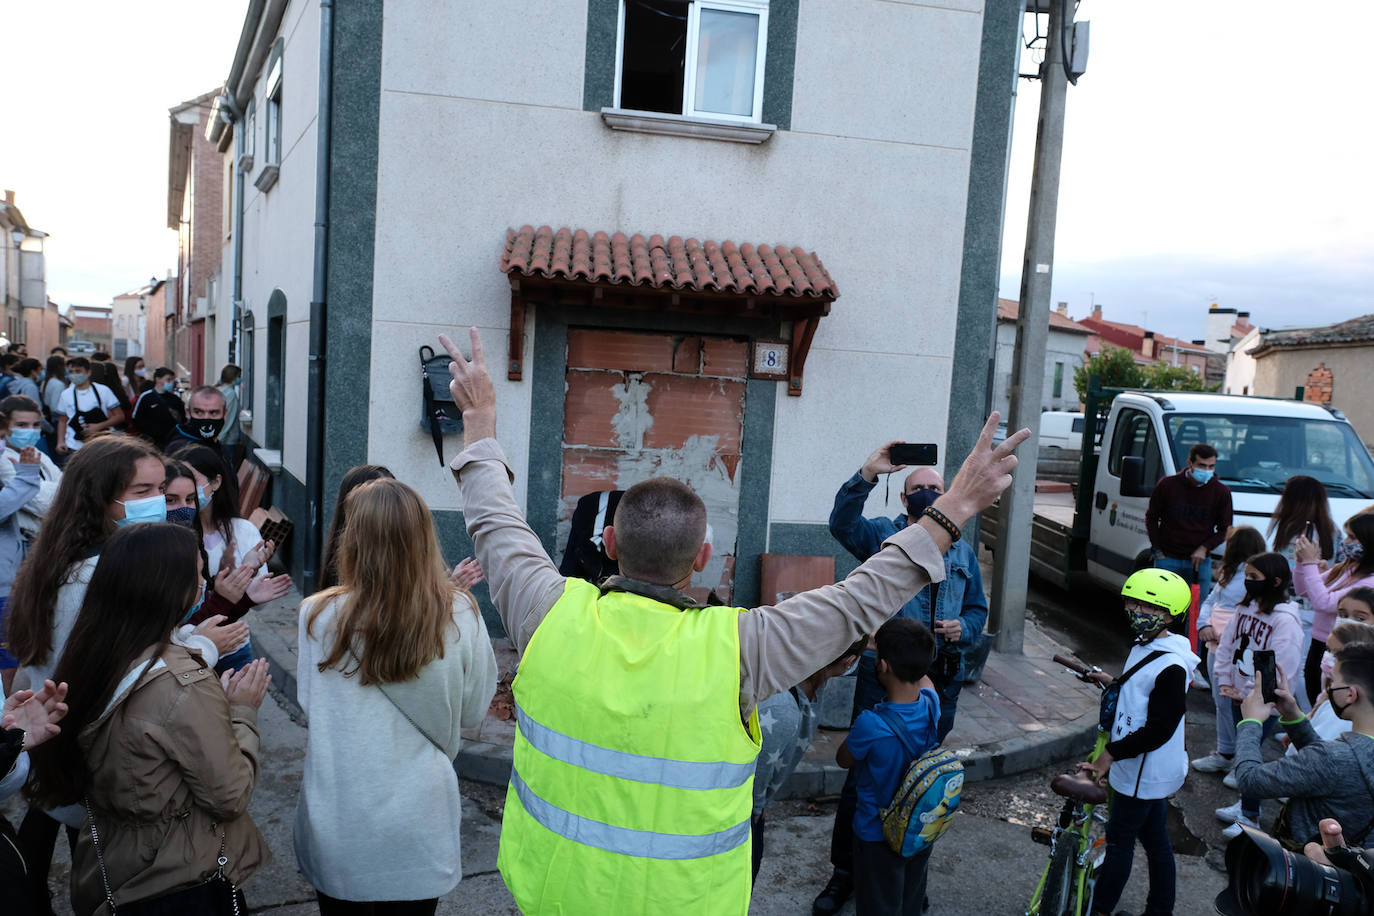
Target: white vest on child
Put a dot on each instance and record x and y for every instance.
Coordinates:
(1158, 773)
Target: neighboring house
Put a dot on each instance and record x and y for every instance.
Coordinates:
(45, 328)
(129, 315)
(23, 272)
(196, 190)
(1146, 346)
(711, 176)
(1063, 353)
(1332, 365)
(1240, 364)
(1225, 327)
(92, 323)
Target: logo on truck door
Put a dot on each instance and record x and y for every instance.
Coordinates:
(1111, 519)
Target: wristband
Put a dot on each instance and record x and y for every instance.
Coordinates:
(939, 518)
(1283, 721)
(1256, 721)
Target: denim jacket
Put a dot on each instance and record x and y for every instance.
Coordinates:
(960, 595)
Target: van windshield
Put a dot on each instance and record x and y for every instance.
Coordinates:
(1260, 453)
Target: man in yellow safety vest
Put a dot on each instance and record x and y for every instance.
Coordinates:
(636, 729)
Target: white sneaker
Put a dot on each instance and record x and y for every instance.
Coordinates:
(1200, 681)
(1230, 833)
(1230, 781)
(1213, 763)
(1229, 814)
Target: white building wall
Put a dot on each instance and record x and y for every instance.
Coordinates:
(278, 236)
(1060, 347)
(1240, 365)
(872, 176)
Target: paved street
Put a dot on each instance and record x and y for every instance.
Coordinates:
(990, 839)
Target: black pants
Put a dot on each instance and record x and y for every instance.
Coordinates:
(1145, 819)
(886, 884)
(37, 839)
(14, 875)
(329, 905)
(1312, 670)
(756, 838)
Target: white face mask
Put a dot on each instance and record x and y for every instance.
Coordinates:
(140, 372)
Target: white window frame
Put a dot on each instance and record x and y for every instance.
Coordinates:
(246, 136)
(691, 53)
(272, 100)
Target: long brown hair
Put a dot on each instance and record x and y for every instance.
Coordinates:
(352, 479)
(141, 588)
(1303, 500)
(1362, 527)
(397, 600)
(1243, 544)
(73, 527)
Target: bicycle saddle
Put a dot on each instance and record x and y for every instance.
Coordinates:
(1079, 788)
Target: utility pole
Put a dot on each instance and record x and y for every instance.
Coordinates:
(1012, 566)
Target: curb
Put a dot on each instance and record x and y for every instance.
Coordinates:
(491, 763)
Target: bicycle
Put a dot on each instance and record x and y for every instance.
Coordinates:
(1077, 842)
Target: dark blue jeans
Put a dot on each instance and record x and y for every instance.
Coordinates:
(1145, 819)
(235, 660)
(867, 694)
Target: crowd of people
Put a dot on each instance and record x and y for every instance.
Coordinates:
(128, 576)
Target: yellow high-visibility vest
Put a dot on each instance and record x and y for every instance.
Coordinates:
(632, 783)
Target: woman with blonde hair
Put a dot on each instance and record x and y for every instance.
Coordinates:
(394, 661)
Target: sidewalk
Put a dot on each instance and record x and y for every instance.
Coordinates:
(1025, 713)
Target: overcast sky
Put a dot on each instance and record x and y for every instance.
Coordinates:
(1216, 151)
(1213, 151)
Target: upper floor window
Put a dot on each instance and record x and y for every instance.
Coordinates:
(273, 95)
(245, 139)
(697, 58)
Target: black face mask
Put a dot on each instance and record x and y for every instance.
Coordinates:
(1339, 708)
(205, 427)
(918, 500)
(1255, 589)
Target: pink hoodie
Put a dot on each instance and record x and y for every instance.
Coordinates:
(1279, 630)
(1310, 582)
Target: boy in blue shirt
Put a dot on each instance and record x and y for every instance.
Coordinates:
(885, 882)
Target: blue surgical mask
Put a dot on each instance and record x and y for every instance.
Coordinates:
(22, 438)
(1200, 475)
(185, 516)
(195, 607)
(163, 387)
(149, 509)
(77, 378)
(202, 499)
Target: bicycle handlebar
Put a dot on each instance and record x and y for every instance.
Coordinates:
(1073, 665)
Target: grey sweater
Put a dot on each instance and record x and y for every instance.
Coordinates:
(1323, 779)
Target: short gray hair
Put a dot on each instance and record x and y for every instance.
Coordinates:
(659, 527)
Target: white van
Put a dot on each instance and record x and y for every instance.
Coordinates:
(1060, 429)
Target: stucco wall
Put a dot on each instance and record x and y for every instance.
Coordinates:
(1279, 373)
(1060, 347)
(872, 176)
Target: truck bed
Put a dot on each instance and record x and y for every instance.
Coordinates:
(1050, 532)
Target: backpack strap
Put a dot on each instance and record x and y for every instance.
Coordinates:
(1138, 665)
(898, 727)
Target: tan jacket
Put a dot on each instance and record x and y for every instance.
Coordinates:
(173, 769)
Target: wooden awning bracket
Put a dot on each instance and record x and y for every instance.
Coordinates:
(515, 368)
(803, 329)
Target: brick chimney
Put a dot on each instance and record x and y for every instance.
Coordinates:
(1097, 312)
(9, 197)
(1063, 309)
(1147, 346)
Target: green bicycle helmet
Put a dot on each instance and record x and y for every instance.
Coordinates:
(1160, 588)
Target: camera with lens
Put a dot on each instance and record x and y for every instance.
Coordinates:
(1264, 879)
(948, 660)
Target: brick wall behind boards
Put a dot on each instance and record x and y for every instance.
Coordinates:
(642, 405)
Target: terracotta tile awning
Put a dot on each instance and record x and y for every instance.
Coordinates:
(578, 268)
(674, 264)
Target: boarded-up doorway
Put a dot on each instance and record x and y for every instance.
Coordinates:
(642, 405)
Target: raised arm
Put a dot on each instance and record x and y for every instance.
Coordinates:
(781, 644)
(524, 582)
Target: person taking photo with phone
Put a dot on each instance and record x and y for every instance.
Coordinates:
(955, 610)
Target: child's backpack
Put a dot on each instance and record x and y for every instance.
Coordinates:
(923, 806)
(1106, 710)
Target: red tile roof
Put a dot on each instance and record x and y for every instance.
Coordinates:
(1009, 309)
(674, 264)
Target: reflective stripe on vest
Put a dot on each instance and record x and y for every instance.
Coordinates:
(644, 844)
(675, 774)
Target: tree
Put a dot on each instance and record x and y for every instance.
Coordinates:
(1114, 367)
(1164, 377)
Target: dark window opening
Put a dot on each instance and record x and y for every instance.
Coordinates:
(654, 61)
